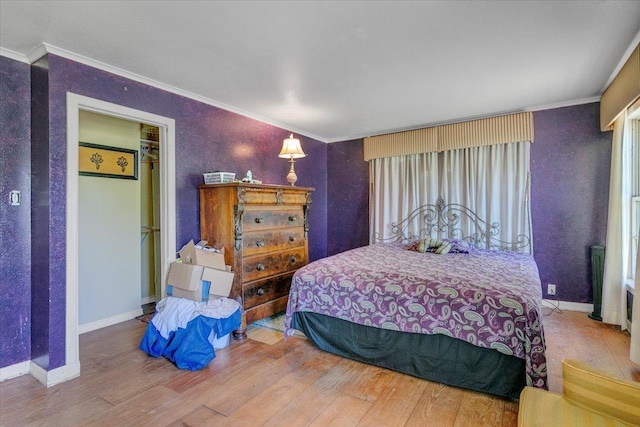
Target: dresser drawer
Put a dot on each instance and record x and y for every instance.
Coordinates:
(259, 266)
(273, 196)
(261, 242)
(256, 293)
(275, 217)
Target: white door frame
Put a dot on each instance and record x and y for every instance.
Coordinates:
(75, 103)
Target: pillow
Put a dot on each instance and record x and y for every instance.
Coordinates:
(460, 246)
(429, 245)
(441, 247)
(413, 246)
(444, 248)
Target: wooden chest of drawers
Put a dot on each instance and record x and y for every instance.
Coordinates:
(263, 229)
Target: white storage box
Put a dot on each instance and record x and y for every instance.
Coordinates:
(221, 342)
(218, 177)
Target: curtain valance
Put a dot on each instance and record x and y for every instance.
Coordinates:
(622, 91)
(477, 133)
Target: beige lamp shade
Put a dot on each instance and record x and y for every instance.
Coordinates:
(291, 149)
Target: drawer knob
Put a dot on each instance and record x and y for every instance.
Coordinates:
(293, 260)
(259, 243)
(292, 218)
(260, 292)
(260, 267)
(292, 238)
(258, 220)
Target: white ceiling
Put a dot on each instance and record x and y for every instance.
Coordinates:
(337, 70)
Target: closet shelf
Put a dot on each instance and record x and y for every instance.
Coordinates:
(150, 142)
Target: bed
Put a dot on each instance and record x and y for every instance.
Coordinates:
(469, 317)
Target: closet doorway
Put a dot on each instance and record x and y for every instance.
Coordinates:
(149, 175)
(119, 221)
(167, 126)
(76, 104)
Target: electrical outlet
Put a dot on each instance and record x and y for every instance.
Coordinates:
(551, 289)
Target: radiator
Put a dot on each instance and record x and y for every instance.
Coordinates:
(629, 307)
(597, 273)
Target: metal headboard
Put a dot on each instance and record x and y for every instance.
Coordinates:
(443, 220)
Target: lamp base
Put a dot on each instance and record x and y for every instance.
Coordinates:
(292, 177)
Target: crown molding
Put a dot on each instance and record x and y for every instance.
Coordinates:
(14, 55)
(564, 104)
(472, 118)
(44, 48)
(37, 52)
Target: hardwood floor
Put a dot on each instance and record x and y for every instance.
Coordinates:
(286, 383)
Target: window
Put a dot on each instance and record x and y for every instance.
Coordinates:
(490, 181)
(634, 194)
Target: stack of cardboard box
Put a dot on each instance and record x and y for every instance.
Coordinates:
(199, 274)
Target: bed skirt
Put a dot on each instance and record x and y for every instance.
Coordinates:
(437, 358)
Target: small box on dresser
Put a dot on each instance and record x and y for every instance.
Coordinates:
(264, 232)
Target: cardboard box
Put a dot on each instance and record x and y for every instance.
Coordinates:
(221, 281)
(197, 282)
(200, 295)
(190, 254)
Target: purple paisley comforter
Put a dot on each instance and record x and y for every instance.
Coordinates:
(490, 299)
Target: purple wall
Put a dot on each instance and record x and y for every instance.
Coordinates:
(570, 166)
(15, 221)
(348, 201)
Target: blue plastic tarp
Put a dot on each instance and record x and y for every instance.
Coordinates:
(190, 347)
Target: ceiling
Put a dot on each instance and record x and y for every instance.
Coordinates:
(338, 70)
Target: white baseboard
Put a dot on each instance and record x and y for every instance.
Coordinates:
(54, 376)
(14, 371)
(148, 300)
(103, 323)
(47, 378)
(569, 306)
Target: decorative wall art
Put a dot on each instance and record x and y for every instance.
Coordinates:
(107, 162)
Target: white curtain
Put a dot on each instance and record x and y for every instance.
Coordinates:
(400, 185)
(634, 353)
(491, 181)
(617, 243)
